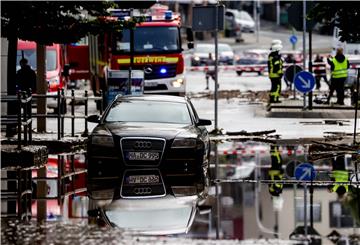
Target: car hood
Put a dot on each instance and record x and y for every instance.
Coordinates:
(145, 129)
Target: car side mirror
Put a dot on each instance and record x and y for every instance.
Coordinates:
(190, 45)
(93, 118)
(204, 122)
(204, 209)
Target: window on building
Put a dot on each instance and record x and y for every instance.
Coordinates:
(300, 211)
(340, 216)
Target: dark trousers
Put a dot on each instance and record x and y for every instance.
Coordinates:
(209, 74)
(275, 89)
(337, 84)
(318, 79)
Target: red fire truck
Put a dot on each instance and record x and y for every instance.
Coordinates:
(157, 51)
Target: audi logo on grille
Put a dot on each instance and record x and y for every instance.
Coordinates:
(142, 190)
(142, 145)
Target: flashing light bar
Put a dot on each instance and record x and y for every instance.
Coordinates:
(123, 14)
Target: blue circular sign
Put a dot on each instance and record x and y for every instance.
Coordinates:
(293, 39)
(304, 81)
(305, 171)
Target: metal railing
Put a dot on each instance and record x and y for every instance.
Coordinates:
(20, 193)
(24, 115)
(61, 100)
(23, 118)
(65, 179)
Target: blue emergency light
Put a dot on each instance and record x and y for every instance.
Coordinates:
(163, 70)
(168, 15)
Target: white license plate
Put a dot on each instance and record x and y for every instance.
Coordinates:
(150, 84)
(143, 179)
(143, 156)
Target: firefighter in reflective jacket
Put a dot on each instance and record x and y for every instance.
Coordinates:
(339, 174)
(339, 72)
(275, 67)
(276, 172)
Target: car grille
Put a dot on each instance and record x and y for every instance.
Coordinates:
(156, 74)
(142, 151)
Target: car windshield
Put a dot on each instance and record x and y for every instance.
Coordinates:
(147, 39)
(211, 48)
(149, 111)
(30, 55)
(244, 15)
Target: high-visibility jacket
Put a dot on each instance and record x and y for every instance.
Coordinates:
(275, 65)
(340, 176)
(340, 68)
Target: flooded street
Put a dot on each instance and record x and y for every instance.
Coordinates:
(256, 196)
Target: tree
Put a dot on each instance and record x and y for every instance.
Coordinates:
(343, 14)
(47, 22)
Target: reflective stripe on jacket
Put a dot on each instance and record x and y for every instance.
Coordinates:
(275, 73)
(340, 176)
(340, 68)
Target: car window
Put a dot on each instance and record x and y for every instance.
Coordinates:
(205, 49)
(223, 48)
(149, 111)
(211, 48)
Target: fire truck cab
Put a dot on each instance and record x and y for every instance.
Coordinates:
(157, 51)
(54, 62)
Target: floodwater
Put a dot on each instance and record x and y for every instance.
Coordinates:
(259, 198)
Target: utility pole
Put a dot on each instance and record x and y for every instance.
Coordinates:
(218, 220)
(131, 30)
(304, 43)
(278, 12)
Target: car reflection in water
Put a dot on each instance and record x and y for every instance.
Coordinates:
(148, 167)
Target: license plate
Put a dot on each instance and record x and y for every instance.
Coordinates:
(143, 179)
(150, 84)
(143, 156)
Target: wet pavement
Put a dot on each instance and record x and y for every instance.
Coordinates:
(256, 196)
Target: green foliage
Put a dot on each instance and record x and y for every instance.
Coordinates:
(48, 22)
(343, 14)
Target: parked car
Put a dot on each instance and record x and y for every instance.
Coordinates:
(242, 18)
(201, 52)
(149, 149)
(252, 58)
(232, 27)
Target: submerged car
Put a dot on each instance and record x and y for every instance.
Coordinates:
(148, 147)
(201, 52)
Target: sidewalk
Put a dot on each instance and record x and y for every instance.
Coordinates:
(294, 109)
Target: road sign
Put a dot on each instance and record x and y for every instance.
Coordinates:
(293, 39)
(305, 171)
(201, 20)
(304, 82)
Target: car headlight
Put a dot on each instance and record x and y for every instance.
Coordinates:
(177, 83)
(103, 140)
(184, 143)
(54, 82)
(196, 58)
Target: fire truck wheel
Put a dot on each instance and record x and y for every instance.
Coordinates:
(239, 73)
